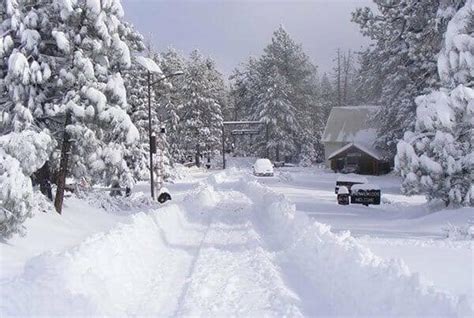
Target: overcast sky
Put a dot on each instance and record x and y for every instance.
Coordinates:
(232, 30)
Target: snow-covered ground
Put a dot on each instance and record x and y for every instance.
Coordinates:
(231, 244)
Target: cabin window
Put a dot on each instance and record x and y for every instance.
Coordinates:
(353, 158)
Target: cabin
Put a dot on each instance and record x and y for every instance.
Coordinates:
(349, 138)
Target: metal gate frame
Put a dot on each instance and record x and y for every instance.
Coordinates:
(258, 124)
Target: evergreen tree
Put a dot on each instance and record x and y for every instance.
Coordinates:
(171, 101)
(281, 89)
(65, 61)
(407, 35)
(21, 154)
(200, 125)
(437, 158)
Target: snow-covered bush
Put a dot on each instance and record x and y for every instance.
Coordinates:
(20, 155)
(462, 232)
(438, 157)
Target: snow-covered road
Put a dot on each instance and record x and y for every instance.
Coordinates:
(230, 247)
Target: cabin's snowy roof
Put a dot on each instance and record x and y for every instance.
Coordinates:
(351, 124)
(368, 150)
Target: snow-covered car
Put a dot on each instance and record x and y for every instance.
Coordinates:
(263, 168)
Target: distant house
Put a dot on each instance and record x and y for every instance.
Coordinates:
(349, 139)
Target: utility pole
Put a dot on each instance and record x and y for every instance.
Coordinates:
(223, 146)
(151, 67)
(150, 138)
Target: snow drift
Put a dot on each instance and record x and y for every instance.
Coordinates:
(149, 266)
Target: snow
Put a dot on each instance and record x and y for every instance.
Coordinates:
(351, 124)
(364, 186)
(17, 64)
(94, 6)
(148, 64)
(116, 86)
(351, 178)
(97, 98)
(343, 190)
(61, 41)
(456, 61)
(66, 7)
(123, 50)
(30, 39)
(231, 245)
(263, 165)
(370, 152)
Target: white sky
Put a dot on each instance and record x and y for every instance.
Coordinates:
(232, 30)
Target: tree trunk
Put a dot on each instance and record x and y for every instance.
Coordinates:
(347, 66)
(267, 137)
(198, 156)
(61, 181)
(43, 177)
(338, 77)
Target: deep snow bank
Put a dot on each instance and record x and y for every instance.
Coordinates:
(349, 278)
(342, 276)
(112, 273)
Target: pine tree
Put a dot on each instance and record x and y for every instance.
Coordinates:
(281, 89)
(24, 147)
(21, 154)
(407, 35)
(171, 101)
(71, 82)
(437, 157)
(200, 125)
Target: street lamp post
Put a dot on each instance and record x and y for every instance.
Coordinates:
(151, 68)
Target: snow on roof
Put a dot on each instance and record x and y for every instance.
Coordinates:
(351, 178)
(364, 186)
(351, 124)
(148, 64)
(371, 152)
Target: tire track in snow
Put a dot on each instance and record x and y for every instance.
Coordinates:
(232, 273)
(191, 269)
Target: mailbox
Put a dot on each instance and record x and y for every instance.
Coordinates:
(343, 196)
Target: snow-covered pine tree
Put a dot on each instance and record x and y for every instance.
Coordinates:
(283, 65)
(170, 101)
(136, 84)
(327, 96)
(65, 61)
(21, 154)
(24, 148)
(276, 110)
(437, 158)
(95, 41)
(407, 36)
(200, 125)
